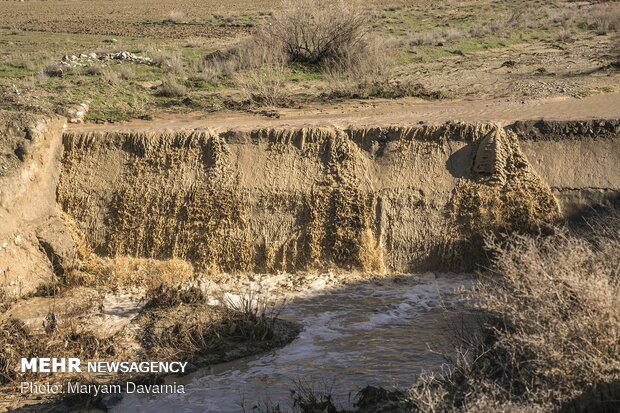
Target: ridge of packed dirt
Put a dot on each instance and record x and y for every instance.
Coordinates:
(384, 113)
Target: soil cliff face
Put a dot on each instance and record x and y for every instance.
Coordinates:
(397, 199)
(30, 151)
(578, 160)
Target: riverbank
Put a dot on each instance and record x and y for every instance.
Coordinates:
(165, 324)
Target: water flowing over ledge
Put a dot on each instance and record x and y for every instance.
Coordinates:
(404, 199)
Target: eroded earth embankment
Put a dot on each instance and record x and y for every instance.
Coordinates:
(397, 199)
(30, 152)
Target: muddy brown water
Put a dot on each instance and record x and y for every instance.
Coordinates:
(368, 334)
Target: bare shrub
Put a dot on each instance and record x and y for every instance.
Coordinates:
(375, 63)
(606, 17)
(552, 329)
(171, 88)
(520, 18)
(559, 299)
(370, 75)
(330, 34)
(313, 32)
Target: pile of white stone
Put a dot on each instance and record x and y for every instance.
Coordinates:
(87, 59)
(76, 113)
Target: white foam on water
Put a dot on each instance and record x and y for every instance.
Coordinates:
(370, 333)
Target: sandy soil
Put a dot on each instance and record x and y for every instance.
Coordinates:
(388, 112)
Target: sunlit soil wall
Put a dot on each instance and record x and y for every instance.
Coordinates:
(397, 199)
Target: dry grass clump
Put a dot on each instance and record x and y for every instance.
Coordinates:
(126, 72)
(258, 51)
(564, 35)
(254, 53)
(54, 70)
(355, 75)
(553, 326)
(14, 344)
(313, 397)
(254, 306)
(172, 88)
(265, 86)
(110, 77)
(129, 272)
(93, 70)
(84, 344)
(438, 37)
(201, 331)
(214, 67)
(564, 16)
(347, 87)
(172, 63)
(65, 340)
(165, 296)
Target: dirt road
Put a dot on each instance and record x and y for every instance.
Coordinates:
(385, 113)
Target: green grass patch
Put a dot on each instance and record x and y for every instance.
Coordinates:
(17, 69)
